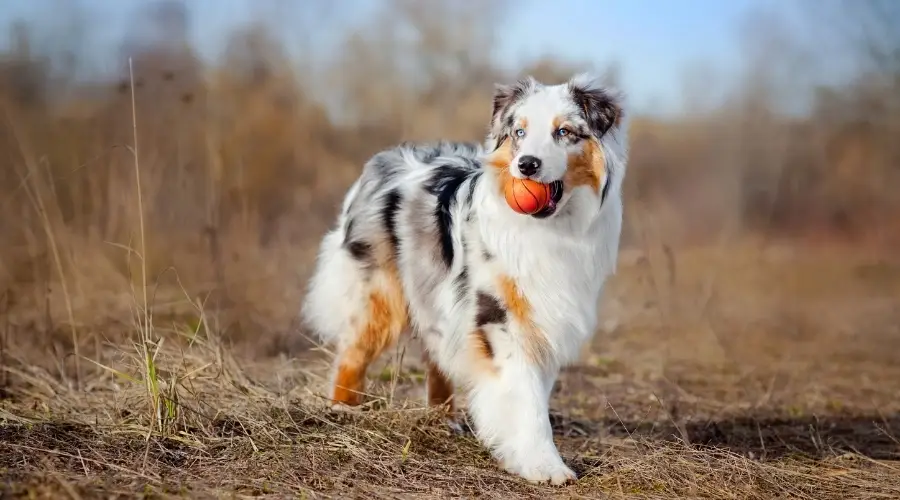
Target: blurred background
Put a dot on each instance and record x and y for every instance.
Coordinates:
(761, 200)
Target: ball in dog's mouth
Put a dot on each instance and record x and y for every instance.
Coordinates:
(556, 193)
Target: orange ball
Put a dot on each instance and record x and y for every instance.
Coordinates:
(526, 196)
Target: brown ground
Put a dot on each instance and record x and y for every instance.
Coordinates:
(717, 374)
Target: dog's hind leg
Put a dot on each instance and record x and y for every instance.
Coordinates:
(438, 388)
(356, 306)
(378, 326)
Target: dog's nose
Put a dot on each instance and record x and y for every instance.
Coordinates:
(529, 165)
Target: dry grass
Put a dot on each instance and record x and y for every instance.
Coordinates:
(661, 407)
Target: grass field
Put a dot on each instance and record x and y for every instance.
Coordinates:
(717, 373)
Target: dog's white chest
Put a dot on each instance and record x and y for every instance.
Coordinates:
(561, 282)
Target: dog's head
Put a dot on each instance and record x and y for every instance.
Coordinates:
(553, 133)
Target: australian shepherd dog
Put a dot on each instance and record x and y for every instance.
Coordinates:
(426, 243)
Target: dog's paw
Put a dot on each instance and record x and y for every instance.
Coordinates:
(456, 427)
(552, 471)
(459, 426)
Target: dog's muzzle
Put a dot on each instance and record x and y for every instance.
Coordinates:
(556, 193)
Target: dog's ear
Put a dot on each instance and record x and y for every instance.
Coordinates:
(601, 108)
(505, 96)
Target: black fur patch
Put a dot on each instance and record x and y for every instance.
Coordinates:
(444, 184)
(599, 108)
(472, 184)
(360, 250)
(575, 135)
(507, 95)
(489, 310)
(389, 216)
(606, 187)
(462, 284)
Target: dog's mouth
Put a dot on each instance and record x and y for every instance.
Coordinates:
(556, 193)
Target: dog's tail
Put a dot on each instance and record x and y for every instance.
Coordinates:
(337, 283)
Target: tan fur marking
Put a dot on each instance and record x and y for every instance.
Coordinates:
(587, 167)
(516, 303)
(482, 353)
(502, 157)
(537, 348)
(500, 160)
(386, 317)
(483, 345)
(557, 122)
(440, 389)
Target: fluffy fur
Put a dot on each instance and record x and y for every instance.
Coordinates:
(426, 244)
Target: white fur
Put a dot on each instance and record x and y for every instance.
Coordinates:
(559, 263)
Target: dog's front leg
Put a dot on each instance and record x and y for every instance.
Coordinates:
(511, 412)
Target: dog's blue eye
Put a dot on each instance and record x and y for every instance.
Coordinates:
(520, 132)
(562, 132)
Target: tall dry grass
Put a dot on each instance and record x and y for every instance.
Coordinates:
(244, 160)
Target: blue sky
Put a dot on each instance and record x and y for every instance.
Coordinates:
(652, 40)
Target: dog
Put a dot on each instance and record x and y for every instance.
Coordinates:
(426, 243)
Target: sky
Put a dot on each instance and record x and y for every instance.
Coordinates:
(651, 40)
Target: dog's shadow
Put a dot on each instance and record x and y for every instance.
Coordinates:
(762, 438)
